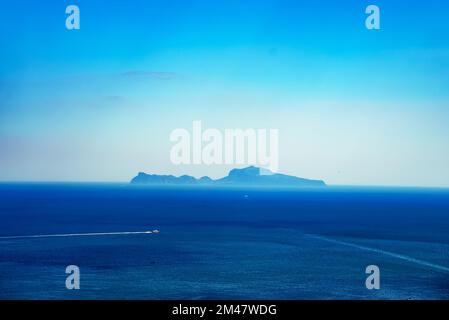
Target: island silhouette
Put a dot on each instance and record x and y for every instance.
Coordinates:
(250, 176)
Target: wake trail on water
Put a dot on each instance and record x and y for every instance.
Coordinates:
(386, 253)
(92, 234)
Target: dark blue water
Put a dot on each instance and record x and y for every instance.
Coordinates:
(224, 244)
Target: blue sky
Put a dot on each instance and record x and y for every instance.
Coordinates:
(353, 106)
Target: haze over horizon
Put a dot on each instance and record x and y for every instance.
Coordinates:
(352, 106)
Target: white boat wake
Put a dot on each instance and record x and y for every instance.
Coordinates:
(92, 234)
(386, 253)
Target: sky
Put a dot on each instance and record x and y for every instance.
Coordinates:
(352, 106)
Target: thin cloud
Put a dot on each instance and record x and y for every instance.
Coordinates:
(158, 75)
(114, 98)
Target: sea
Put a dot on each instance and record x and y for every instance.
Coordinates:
(222, 243)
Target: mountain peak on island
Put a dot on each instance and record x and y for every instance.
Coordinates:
(249, 176)
(245, 172)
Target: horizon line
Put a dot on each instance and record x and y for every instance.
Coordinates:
(3, 182)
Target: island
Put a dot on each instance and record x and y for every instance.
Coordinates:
(250, 176)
